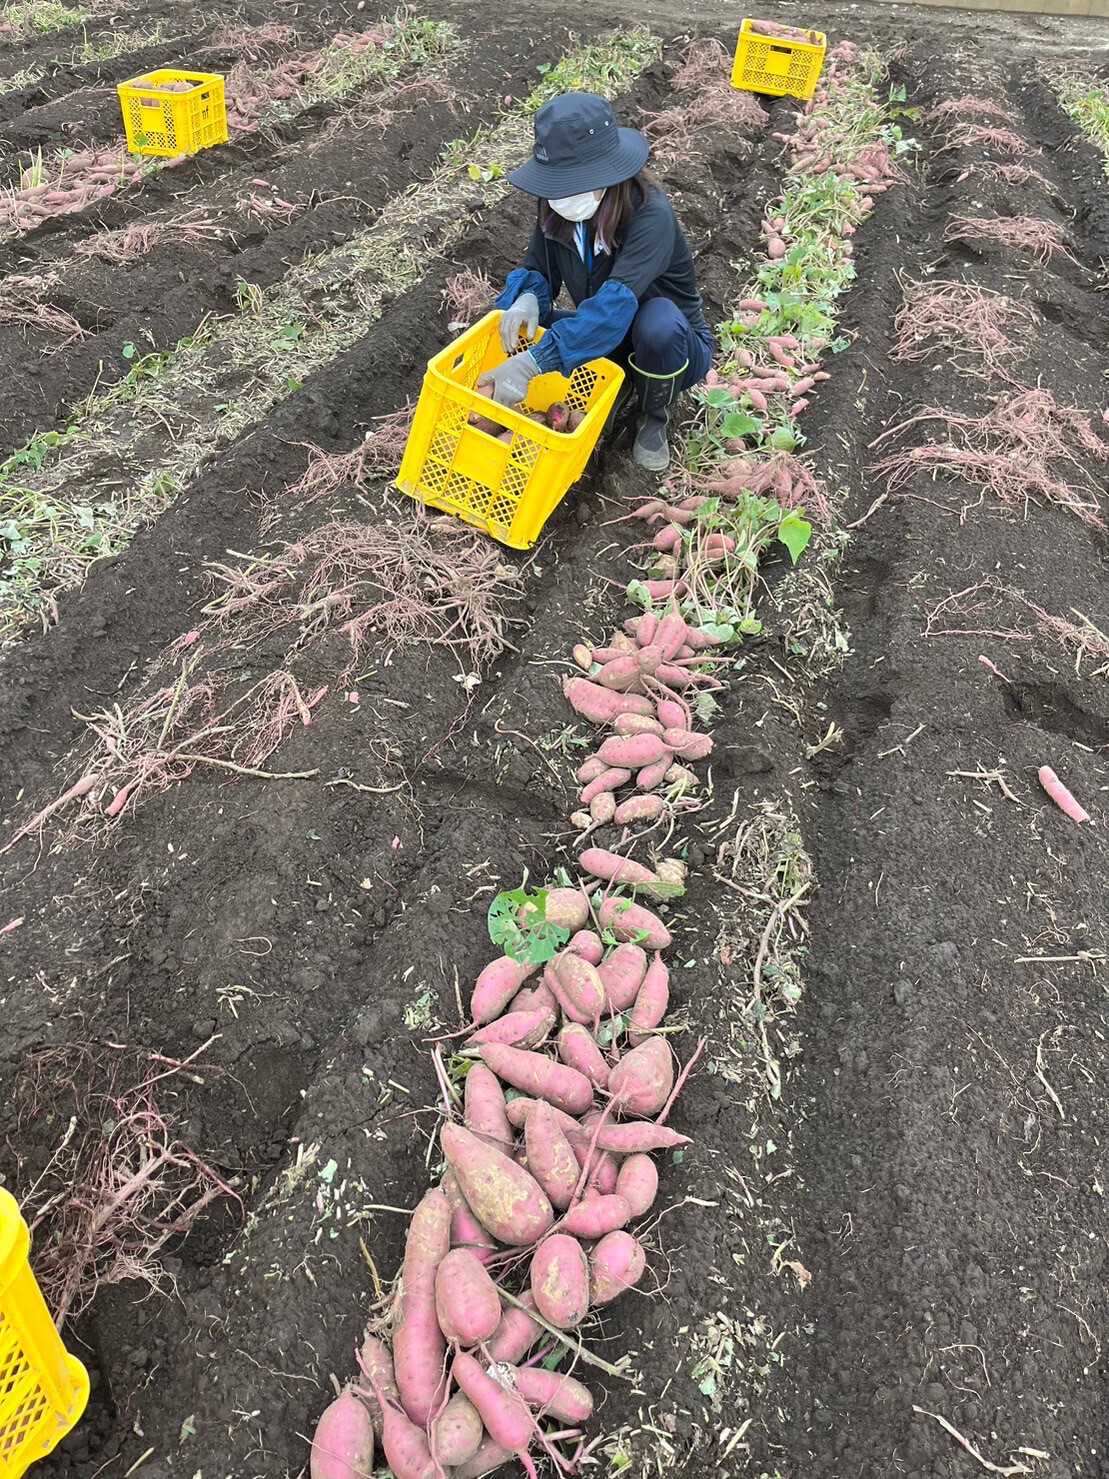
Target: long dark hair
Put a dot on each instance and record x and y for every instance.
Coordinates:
(613, 213)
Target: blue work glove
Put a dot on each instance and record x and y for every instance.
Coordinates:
(509, 382)
(523, 315)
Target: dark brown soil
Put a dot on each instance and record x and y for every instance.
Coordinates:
(948, 1209)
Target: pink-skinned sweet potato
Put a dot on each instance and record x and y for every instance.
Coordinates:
(687, 744)
(610, 779)
(633, 923)
(637, 810)
(484, 1111)
(419, 1350)
(560, 1281)
(651, 1002)
(466, 1230)
(407, 1451)
(467, 1304)
(516, 1029)
(490, 1457)
(602, 1167)
(456, 1433)
(504, 1413)
(637, 1183)
(540, 1078)
(633, 751)
(601, 705)
(577, 986)
(496, 986)
(613, 868)
(535, 998)
(596, 1216)
(577, 1047)
(627, 724)
(622, 972)
(375, 1361)
(617, 1263)
(589, 945)
(343, 1444)
(653, 775)
(552, 1394)
(551, 1159)
(507, 1201)
(639, 1137)
(566, 908)
(516, 1333)
(640, 1083)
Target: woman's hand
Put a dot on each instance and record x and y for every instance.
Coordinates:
(523, 315)
(508, 383)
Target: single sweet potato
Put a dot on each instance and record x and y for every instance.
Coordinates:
(504, 1413)
(617, 1263)
(456, 1433)
(554, 1395)
(577, 986)
(343, 1444)
(589, 945)
(597, 1216)
(640, 1083)
(508, 1201)
(551, 1159)
(496, 986)
(375, 1360)
(560, 1278)
(651, 1001)
(516, 1333)
(632, 922)
(637, 1183)
(622, 972)
(467, 1304)
(484, 1111)
(539, 1077)
(577, 1047)
(418, 1345)
(601, 705)
(613, 868)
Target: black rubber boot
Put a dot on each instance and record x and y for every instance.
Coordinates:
(652, 447)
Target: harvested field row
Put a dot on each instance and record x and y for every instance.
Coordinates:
(276, 694)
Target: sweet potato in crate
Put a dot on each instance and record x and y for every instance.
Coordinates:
(43, 1389)
(167, 112)
(507, 486)
(777, 60)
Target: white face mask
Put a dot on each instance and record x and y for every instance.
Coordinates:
(577, 207)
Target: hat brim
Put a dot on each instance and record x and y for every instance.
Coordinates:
(556, 182)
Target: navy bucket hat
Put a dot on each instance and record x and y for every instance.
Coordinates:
(579, 147)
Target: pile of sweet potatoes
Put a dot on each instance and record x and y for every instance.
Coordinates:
(567, 1088)
(643, 687)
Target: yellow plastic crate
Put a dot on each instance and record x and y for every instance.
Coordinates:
(509, 489)
(43, 1389)
(776, 67)
(169, 123)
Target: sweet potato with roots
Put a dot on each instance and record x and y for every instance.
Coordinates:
(600, 705)
(456, 1433)
(490, 1457)
(343, 1444)
(631, 922)
(639, 809)
(484, 1111)
(497, 984)
(375, 1361)
(639, 1138)
(551, 1159)
(504, 1414)
(616, 1264)
(467, 1304)
(608, 781)
(577, 986)
(632, 752)
(597, 1216)
(406, 1446)
(516, 1333)
(508, 1201)
(651, 1002)
(637, 1183)
(525, 1029)
(466, 1230)
(419, 1349)
(554, 1395)
(578, 1049)
(560, 1280)
(615, 869)
(622, 973)
(540, 1078)
(589, 945)
(640, 1083)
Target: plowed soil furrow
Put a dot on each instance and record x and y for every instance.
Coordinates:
(948, 1151)
(167, 293)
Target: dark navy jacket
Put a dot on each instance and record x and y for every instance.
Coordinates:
(652, 261)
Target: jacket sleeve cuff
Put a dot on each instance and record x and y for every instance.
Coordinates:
(523, 281)
(546, 355)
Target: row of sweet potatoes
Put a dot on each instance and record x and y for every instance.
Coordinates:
(566, 1092)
